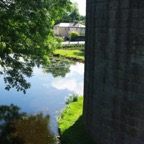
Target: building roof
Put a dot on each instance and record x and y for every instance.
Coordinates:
(70, 25)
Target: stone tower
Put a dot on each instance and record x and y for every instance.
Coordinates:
(114, 71)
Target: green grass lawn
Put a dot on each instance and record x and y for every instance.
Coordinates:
(71, 124)
(72, 54)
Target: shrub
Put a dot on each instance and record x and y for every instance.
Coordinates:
(72, 98)
(60, 39)
(73, 35)
(59, 42)
(74, 46)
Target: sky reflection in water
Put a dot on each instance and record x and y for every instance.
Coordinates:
(47, 93)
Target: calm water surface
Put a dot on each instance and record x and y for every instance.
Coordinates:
(47, 93)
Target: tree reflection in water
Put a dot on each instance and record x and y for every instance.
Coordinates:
(58, 67)
(18, 128)
(15, 69)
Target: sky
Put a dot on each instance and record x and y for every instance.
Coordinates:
(81, 5)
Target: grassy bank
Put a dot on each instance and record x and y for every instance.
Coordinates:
(71, 124)
(70, 54)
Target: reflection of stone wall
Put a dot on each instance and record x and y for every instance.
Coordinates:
(114, 72)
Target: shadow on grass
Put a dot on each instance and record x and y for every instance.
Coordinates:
(79, 53)
(76, 134)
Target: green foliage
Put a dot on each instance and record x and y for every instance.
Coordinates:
(72, 98)
(73, 14)
(74, 46)
(71, 124)
(70, 114)
(59, 41)
(73, 35)
(26, 32)
(82, 19)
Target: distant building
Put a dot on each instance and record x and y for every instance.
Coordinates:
(64, 29)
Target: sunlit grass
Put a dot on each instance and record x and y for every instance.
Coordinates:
(71, 124)
(75, 54)
(70, 114)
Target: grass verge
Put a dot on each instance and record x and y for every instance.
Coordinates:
(71, 124)
(71, 54)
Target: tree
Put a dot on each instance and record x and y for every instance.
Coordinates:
(73, 15)
(82, 19)
(26, 36)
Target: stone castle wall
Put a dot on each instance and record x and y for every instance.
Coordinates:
(114, 71)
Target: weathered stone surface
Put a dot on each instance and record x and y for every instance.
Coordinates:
(114, 71)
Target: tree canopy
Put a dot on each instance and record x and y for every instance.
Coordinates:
(26, 36)
(72, 15)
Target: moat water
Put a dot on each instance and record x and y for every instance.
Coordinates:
(50, 87)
